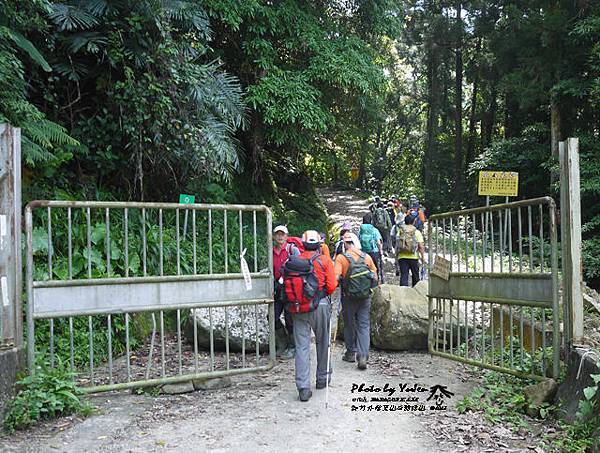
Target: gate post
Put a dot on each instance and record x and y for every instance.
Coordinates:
(571, 241)
(11, 324)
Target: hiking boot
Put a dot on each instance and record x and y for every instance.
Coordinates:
(288, 354)
(281, 341)
(362, 363)
(304, 394)
(322, 384)
(290, 351)
(349, 356)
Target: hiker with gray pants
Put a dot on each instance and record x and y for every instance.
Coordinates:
(358, 275)
(318, 321)
(308, 280)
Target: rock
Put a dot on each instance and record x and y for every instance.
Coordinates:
(234, 315)
(422, 287)
(581, 366)
(537, 394)
(212, 384)
(399, 318)
(176, 389)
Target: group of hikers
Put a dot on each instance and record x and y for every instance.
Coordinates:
(306, 274)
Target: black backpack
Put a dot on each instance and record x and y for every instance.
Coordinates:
(301, 285)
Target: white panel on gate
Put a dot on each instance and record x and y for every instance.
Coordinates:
(72, 299)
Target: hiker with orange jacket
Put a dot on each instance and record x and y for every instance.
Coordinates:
(308, 279)
(358, 274)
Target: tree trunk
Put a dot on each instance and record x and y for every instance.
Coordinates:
(471, 143)
(555, 135)
(360, 182)
(458, 130)
(335, 168)
(489, 118)
(433, 85)
(511, 123)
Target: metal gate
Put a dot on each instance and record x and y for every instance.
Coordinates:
(100, 273)
(498, 307)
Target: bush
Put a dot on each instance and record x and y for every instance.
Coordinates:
(47, 394)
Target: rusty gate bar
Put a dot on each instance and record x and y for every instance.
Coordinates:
(161, 281)
(511, 288)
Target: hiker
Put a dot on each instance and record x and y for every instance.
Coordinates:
(371, 243)
(400, 215)
(391, 210)
(409, 245)
(375, 204)
(381, 221)
(284, 335)
(415, 208)
(398, 222)
(324, 248)
(358, 274)
(308, 279)
(339, 245)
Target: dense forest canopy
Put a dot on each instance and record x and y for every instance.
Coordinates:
(256, 101)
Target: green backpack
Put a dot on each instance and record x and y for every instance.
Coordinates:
(381, 219)
(357, 283)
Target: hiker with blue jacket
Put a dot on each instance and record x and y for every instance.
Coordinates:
(358, 274)
(371, 243)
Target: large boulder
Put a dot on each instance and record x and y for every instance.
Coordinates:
(399, 318)
(234, 318)
(422, 287)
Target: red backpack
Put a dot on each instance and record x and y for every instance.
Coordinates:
(301, 285)
(295, 241)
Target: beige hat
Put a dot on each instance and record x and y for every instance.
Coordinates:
(281, 228)
(351, 237)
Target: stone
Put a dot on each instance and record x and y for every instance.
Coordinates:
(176, 389)
(422, 287)
(581, 365)
(9, 367)
(212, 383)
(234, 318)
(399, 318)
(537, 394)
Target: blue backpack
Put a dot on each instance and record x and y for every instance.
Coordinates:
(368, 238)
(418, 223)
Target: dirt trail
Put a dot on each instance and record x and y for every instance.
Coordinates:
(261, 413)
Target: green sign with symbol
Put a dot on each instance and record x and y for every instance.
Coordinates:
(186, 199)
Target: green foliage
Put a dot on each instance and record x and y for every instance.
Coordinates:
(49, 393)
(501, 400)
(580, 435)
(43, 141)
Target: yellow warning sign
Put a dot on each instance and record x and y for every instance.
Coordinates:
(499, 183)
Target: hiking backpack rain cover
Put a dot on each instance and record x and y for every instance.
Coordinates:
(368, 238)
(358, 279)
(301, 285)
(406, 239)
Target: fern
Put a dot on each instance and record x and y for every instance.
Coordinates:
(69, 17)
(25, 45)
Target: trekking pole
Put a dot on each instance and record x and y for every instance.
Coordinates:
(330, 352)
